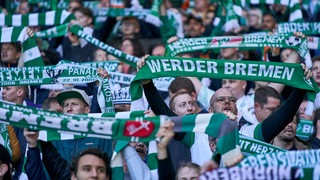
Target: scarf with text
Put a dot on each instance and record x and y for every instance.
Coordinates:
(302, 158)
(30, 51)
(156, 66)
(129, 59)
(63, 73)
(245, 42)
(307, 28)
(37, 19)
(56, 31)
(250, 146)
(304, 129)
(267, 173)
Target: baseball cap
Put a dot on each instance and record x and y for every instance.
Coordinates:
(195, 17)
(73, 93)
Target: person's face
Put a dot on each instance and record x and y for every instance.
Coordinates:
(187, 173)
(316, 72)
(158, 51)
(127, 47)
(55, 107)
(11, 93)
(24, 8)
(9, 53)
(141, 149)
(128, 27)
(200, 5)
(268, 23)
(302, 110)
(285, 54)
(253, 20)
(184, 104)
(104, 3)
(237, 87)
(100, 55)
(195, 28)
(75, 106)
(262, 112)
(289, 132)
(229, 53)
(72, 6)
(83, 19)
(223, 101)
(91, 167)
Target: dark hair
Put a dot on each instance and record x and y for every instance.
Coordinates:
(181, 83)
(138, 50)
(315, 58)
(16, 45)
(5, 158)
(95, 152)
(85, 11)
(268, 13)
(261, 95)
(189, 165)
(47, 102)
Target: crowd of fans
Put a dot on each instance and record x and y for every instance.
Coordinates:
(274, 110)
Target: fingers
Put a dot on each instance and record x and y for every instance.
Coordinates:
(30, 32)
(307, 72)
(208, 166)
(103, 73)
(172, 39)
(142, 61)
(299, 34)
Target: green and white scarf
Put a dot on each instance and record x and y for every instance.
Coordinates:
(268, 173)
(302, 158)
(30, 51)
(288, 74)
(56, 31)
(37, 19)
(63, 73)
(304, 129)
(129, 59)
(250, 146)
(307, 28)
(246, 42)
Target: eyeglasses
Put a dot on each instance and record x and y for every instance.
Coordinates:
(223, 99)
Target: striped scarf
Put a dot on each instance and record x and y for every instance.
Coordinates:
(30, 51)
(49, 18)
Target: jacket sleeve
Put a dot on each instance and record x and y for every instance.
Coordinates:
(278, 120)
(165, 168)
(137, 168)
(57, 167)
(33, 167)
(157, 104)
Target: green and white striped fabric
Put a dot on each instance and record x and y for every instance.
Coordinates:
(295, 14)
(30, 51)
(49, 18)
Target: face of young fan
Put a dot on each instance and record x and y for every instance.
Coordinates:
(141, 149)
(8, 53)
(129, 27)
(83, 19)
(11, 94)
(184, 104)
(127, 47)
(100, 55)
(90, 167)
(187, 173)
